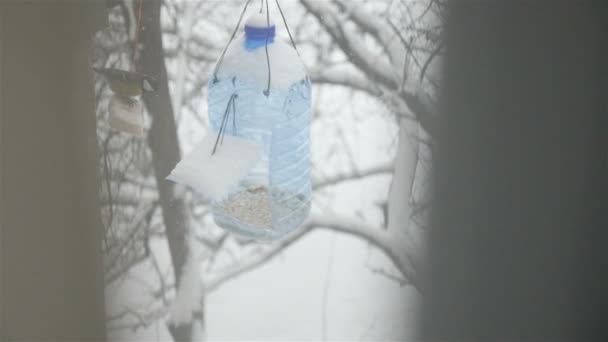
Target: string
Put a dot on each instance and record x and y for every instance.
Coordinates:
(220, 135)
(287, 27)
(267, 91)
(219, 62)
(136, 38)
(231, 103)
(234, 114)
(222, 125)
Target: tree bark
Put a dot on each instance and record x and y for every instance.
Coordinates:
(164, 145)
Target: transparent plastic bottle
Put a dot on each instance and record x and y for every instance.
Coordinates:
(274, 199)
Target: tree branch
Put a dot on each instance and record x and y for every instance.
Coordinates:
(350, 43)
(386, 168)
(376, 70)
(347, 78)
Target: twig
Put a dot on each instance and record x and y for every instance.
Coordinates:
(380, 169)
(386, 274)
(428, 61)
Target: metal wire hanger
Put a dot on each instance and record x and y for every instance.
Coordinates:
(220, 135)
(221, 59)
(293, 43)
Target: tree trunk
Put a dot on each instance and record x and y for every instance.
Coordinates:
(400, 226)
(164, 145)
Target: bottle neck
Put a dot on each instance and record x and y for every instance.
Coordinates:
(258, 36)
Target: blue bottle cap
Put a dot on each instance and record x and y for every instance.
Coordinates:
(258, 31)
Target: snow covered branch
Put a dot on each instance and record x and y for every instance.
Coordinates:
(380, 74)
(350, 42)
(386, 168)
(385, 240)
(344, 76)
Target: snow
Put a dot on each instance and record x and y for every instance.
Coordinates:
(189, 297)
(260, 20)
(215, 175)
(285, 65)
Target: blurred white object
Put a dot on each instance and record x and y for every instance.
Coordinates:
(215, 175)
(126, 115)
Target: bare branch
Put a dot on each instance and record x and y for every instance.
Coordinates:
(348, 41)
(381, 271)
(354, 175)
(347, 78)
(141, 320)
(376, 70)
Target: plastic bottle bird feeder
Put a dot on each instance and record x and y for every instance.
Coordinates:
(260, 94)
(274, 198)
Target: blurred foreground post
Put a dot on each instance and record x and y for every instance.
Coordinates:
(518, 247)
(51, 286)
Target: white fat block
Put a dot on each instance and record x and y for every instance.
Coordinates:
(215, 175)
(126, 115)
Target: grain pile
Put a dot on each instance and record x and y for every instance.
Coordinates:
(253, 207)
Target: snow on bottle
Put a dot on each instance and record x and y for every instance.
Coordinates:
(255, 163)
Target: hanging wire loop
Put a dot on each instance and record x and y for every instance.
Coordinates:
(236, 29)
(267, 91)
(221, 59)
(287, 27)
